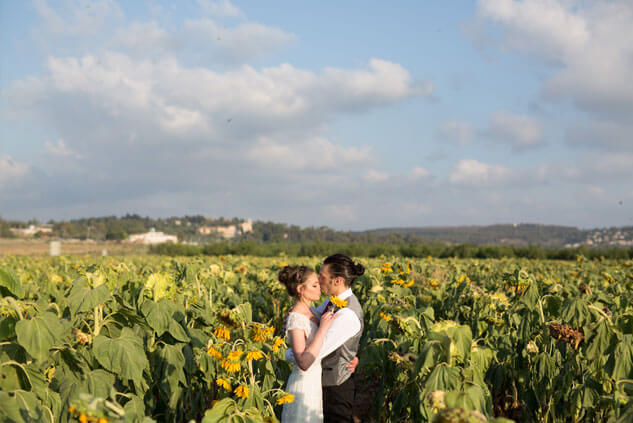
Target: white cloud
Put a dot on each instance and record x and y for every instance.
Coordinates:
(610, 165)
(246, 41)
(417, 209)
(455, 131)
(11, 171)
(313, 154)
(382, 83)
(341, 212)
(223, 8)
(200, 102)
(472, 173)
(519, 131)
(144, 39)
(172, 129)
(601, 135)
(588, 169)
(60, 149)
(77, 17)
(373, 176)
(595, 191)
(419, 173)
(540, 26)
(591, 42)
(158, 137)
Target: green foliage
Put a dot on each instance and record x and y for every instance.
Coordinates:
(39, 334)
(9, 284)
(397, 247)
(155, 339)
(123, 355)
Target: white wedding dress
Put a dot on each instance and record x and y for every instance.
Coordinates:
(304, 385)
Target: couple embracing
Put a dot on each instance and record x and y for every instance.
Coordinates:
(324, 340)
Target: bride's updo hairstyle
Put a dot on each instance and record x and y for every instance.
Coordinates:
(343, 266)
(293, 276)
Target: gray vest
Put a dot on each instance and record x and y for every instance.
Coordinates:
(334, 365)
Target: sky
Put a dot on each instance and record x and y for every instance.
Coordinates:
(353, 115)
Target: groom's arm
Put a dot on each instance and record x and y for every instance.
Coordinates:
(344, 326)
(318, 311)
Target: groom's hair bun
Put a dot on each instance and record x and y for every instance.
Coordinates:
(343, 266)
(293, 276)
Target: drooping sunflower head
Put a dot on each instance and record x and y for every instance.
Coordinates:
(285, 399)
(223, 333)
(242, 391)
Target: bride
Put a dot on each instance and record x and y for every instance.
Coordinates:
(306, 335)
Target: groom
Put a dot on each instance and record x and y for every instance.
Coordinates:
(342, 339)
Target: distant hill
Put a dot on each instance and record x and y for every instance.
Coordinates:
(511, 234)
(517, 234)
(204, 230)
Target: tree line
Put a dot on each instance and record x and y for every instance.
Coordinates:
(410, 250)
(187, 229)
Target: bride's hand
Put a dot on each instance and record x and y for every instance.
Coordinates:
(351, 366)
(326, 320)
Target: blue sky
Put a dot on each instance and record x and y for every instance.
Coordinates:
(353, 115)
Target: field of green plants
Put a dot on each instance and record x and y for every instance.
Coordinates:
(155, 339)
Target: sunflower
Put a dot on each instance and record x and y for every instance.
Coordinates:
(254, 355)
(262, 333)
(278, 343)
(231, 367)
(241, 391)
(82, 338)
(433, 284)
(214, 353)
(338, 303)
(286, 399)
(227, 318)
(235, 355)
(223, 383)
(223, 333)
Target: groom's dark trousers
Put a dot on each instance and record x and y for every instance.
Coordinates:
(338, 402)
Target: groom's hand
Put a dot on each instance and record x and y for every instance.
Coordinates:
(352, 364)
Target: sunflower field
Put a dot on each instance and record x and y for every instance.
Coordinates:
(200, 339)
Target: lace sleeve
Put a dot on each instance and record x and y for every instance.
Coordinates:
(298, 321)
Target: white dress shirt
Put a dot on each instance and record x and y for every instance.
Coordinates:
(342, 329)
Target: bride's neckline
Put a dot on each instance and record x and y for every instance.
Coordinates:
(310, 318)
(296, 312)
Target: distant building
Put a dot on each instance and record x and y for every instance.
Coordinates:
(246, 226)
(229, 231)
(152, 237)
(206, 230)
(43, 228)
